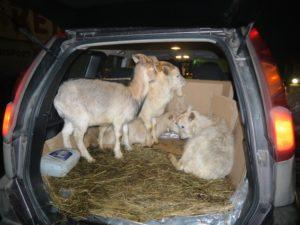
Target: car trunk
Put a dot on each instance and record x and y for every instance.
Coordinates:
(138, 188)
(211, 98)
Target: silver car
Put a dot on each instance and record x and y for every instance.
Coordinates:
(267, 143)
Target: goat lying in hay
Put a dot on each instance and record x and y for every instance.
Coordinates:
(83, 103)
(137, 131)
(208, 154)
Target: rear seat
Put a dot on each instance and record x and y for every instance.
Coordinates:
(209, 71)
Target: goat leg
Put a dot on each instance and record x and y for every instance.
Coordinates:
(79, 134)
(102, 130)
(153, 130)
(66, 133)
(149, 139)
(125, 137)
(117, 150)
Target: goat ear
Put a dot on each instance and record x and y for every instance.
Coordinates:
(166, 69)
(156, 66)
(139, 58)
(153, 58)
(161, 67)
(192, 116)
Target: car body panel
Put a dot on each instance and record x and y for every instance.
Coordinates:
(284, 172)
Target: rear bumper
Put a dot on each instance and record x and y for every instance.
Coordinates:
(285, 183)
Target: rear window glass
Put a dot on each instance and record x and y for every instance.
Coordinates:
(202, 61)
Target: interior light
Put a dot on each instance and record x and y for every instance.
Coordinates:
(186, 56)
(178, 56)
(175, 48)
(295, 81)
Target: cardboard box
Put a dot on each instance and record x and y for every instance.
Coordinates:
(215, 98)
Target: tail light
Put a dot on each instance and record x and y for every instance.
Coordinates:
(7, 120)
(280, 123)
(11, 107)
(61, 34)
(283, 132)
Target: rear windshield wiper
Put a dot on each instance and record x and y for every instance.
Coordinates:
(34, 39)
(28, 34)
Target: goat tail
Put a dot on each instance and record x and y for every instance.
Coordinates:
(176, 163)
(57, 106)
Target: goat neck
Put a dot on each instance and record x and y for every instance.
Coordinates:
(139, 86)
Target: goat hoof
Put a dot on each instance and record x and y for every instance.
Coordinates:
(91, 160)
(128, 148)
(118, 155)
(149, 144)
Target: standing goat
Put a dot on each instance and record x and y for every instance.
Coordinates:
(168, 82)
(208, 154)
(83, 103)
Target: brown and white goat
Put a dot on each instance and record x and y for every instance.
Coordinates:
(84, 102)
(169, 81)
(208, 153)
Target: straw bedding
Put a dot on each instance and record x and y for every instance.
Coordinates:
(142, 186)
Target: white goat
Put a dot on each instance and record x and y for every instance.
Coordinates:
(137, 130)
(208, 154)
(83, 103)
(168, 82)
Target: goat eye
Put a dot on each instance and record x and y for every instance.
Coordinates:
(182, 126)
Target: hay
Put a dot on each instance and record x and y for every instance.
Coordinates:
(141, 186)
